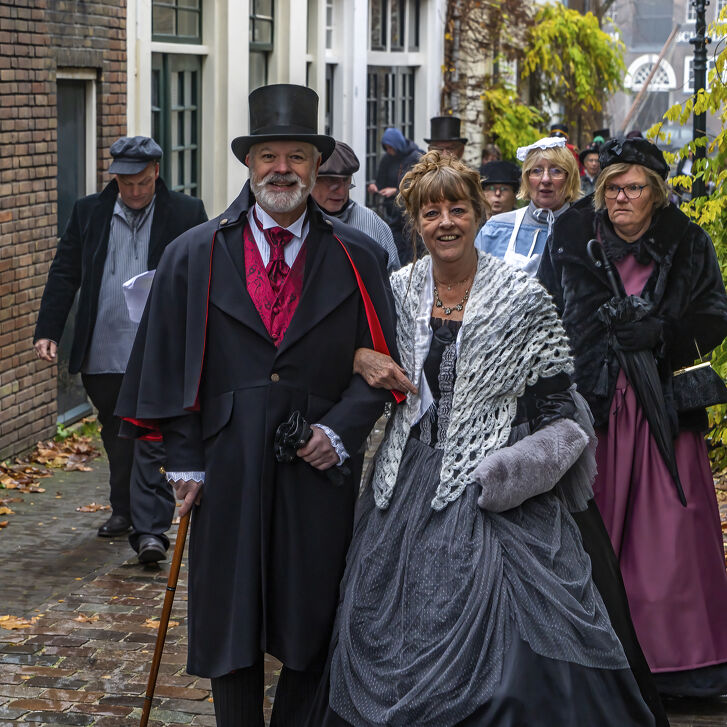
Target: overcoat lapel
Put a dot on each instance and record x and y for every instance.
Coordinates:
(157, 236)
(327, 282)
(228, 290)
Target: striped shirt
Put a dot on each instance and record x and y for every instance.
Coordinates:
(368, 222)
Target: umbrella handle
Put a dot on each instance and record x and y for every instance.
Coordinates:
(600, 260)
(164, 620)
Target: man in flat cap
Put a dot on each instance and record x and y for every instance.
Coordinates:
(331, 195)
(110, 238)
(265, 310)
(445, 136)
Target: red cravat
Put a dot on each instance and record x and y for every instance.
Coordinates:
(277, 238)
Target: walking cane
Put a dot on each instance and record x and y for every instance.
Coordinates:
(164, 620)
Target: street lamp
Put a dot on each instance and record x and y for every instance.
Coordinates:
(699, 121)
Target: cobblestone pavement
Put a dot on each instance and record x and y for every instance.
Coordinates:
(85, 658)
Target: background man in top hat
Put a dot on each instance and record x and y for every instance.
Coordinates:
(267, 313)
(110, 238)
(500, 182)
(445, 136)
(331, 195)
(591, 168)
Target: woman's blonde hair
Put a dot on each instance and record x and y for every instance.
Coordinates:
(659, 190)
(558, 156)
(436, 177)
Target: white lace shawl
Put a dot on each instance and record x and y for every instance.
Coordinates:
(510, 337)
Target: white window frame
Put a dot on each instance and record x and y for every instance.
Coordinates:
(90, 76)
(649, 59)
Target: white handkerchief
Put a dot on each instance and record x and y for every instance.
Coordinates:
(136, 291)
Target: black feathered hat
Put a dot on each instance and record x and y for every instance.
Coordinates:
(283, 112)
(636, 150)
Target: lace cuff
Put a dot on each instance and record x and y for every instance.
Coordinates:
(336, 442)
(177, 476)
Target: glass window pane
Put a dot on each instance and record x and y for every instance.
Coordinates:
(413, 21)
(188, 23)
(397, 24)
(261, 31)
(263, 7)
(162, 20)
(377, 34)
(258, 75)
(189, 4)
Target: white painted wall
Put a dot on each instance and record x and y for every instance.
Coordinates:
(299, 40)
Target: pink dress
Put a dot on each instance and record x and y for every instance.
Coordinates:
(672, 558)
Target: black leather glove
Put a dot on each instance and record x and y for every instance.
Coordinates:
(644, 335)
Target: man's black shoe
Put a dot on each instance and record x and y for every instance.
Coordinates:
(151, 549)
(115, 525)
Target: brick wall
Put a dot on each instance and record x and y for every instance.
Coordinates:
(37, 37)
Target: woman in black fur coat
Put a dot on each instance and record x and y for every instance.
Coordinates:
(671, 557)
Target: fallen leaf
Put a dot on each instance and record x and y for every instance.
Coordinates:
(6, 511)
(16, 622)
(93, 507)
(3, 523)
(86, 619)
(151, 623)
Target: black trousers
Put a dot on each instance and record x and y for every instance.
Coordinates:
(137, 489)
(238, 697)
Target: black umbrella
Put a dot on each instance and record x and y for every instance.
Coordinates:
(639, 366)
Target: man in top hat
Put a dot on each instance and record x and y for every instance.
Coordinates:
(254, 316)
(330, 192)
(500, 182)
(110, 238)
(445, 136)
(588, 157)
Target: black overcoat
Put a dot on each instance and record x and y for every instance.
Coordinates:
(268, 541)
(81, 254)
(685, 287)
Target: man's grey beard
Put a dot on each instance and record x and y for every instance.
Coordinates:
(287, 201)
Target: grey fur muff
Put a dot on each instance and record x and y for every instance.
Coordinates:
(530, 467)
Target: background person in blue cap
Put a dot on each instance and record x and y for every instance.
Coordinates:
(401, 155)
(110, 238)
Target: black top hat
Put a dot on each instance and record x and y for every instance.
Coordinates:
(559, 129)
(445, 128)
(501, 172)
(283, 112)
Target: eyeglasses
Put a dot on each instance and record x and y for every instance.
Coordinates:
(553, 172)
(632, 191)
(333, 182)
(498, 188)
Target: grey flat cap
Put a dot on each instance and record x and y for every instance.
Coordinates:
(133, 153)
(343, 162)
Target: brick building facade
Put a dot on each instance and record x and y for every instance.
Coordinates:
(49, 51)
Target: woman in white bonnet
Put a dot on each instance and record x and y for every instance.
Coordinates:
(550, 182)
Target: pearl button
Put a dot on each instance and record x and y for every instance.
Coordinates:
(275, 378)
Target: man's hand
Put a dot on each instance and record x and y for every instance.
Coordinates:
(318, 451)
(46, 349)
(190, 492)
(381, 371)
(388, 191)
(373, 188)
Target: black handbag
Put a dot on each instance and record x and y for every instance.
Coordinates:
(698, 386)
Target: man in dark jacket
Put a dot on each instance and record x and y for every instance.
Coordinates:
(253, 316)
(110, 238)
(400, 156)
